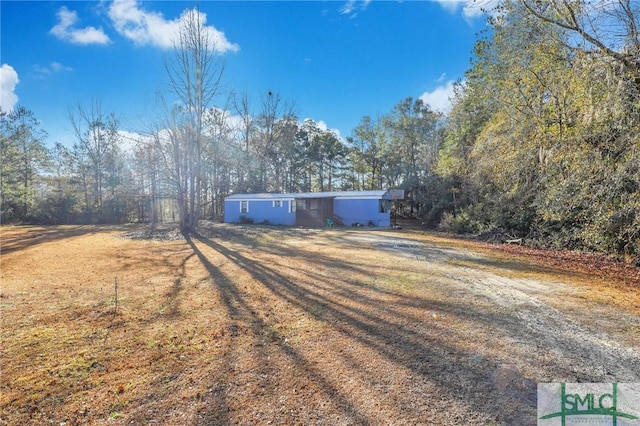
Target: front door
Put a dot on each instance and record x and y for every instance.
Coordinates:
(313, 211)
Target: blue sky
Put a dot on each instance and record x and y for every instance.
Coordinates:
(336, 60)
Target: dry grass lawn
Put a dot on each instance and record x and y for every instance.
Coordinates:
(263, 325)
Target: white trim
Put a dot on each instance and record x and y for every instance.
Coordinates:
(376, 194)
(247, 205)
(361, 198)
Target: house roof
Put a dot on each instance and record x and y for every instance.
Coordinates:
(300, 195)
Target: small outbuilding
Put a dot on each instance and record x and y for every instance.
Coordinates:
(349, 208)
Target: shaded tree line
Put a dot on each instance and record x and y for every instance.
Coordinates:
(187, 165)
(542, 141)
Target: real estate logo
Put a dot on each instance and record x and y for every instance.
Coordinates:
(615, 404)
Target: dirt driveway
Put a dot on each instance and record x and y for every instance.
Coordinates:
(251, 325)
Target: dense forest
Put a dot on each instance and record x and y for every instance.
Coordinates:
(542, 141)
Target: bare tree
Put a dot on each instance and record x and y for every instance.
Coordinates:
(145, 169)
(245, 130)
(96, 154)
(606, 27)
(270, 137)
(242, 106)
(195, 74)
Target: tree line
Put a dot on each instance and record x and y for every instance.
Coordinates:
(542, 141)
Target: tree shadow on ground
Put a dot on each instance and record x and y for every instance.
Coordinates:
(32, 236)
(385, 330)
(413, 246)
(243, 318)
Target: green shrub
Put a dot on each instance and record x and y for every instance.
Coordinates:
(466, 221)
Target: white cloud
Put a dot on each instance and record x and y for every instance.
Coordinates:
(451, 6)
(234, 121)
(322, 125)
(348, 7)
(64, 30)
(53, 67)
(8, 81)
(439, 98)
(129, 140)
(58, 67)
(470, 8)
(351, 5)
(152, 28)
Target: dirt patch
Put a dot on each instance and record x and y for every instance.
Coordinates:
(259, 325)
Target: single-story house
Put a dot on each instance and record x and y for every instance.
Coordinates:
(349, 208)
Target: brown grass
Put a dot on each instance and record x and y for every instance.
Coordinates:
(250, 325)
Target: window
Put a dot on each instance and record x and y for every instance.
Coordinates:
(292, 206)
(244, 206)
(277, 203)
